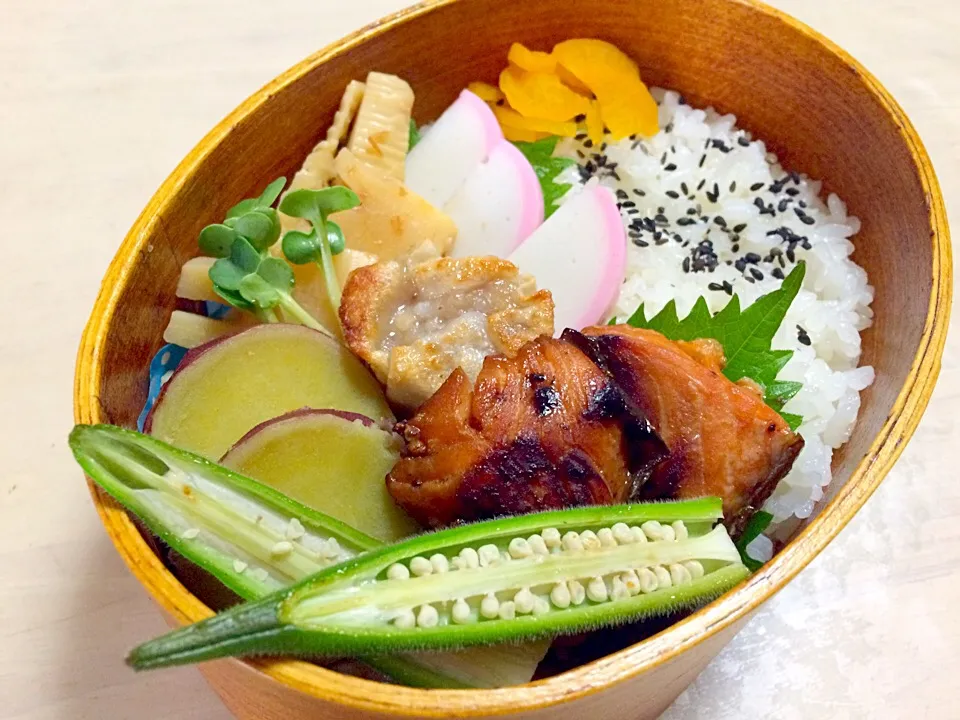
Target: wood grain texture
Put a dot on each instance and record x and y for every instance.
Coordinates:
(77, 692)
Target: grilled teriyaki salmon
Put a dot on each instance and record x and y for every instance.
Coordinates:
(723, 439)
(543, 429)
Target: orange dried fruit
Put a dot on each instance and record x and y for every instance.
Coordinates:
(531, 60)
(594, 123)
(541, 95)
(485, 91)
(570, 80)
(625, 102)
(508, 117)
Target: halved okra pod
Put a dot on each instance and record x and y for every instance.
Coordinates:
(256, 540)
(497, 581)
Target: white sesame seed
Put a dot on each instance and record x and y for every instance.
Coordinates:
(440, 563)
(420, 566)
(281, 548)
(239, 566)
(597, 590)
(519, 549)
(460, 614)
(397, 571)
(551, 537)
(428, 616)
(294, 530)
(489, 606)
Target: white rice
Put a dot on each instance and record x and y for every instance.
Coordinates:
(832, 307)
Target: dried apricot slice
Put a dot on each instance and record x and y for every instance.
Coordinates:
(486, 91)
(531, 60)
(508, 117)
(541, 95)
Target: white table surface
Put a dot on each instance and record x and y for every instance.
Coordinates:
(98, 102)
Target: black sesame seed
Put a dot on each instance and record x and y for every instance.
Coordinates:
(777, 273)
(622, 194)
(804, 218)
(686, 264)
(717, 287)
(735, 247)
(638, 192)
(684, 188)
(635, 144)
(792, 192)
(743, 141)
(749, 279)
(756, 186)
(739, 228)
(719, 220)
(791, 255)
(728, 288)
(579, 118)
(733, 186)
(802, 336)
(633, 211)
(702, 183)
(588, 143)
(661, 210)
(663, 158)
(673, 149)
(686, 221)
(692, 211)
(581, 155)
(673, 194)
(615, 176)
(640, 243)
(671, 167)
(751, 257)
(703, 159)
(628, 203)
(756, 273)
(782, 205)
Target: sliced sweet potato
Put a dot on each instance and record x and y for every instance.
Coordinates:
(226, 387)
(333, 461)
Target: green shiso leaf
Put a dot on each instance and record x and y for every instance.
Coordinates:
(414, 135)
(746, 336)
(547, 167)
(758, 523)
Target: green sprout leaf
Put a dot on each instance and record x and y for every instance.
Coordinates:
(226, 275)
(335, 237)
(257, 227)
(243, 207)
(277, 273)
(547, 167)
(244, 255)
(746, 336)
(316, 205)
(216, 240)
(270, 194)
(233, 297)
(415, 135)
(301, 248)
(258, 291)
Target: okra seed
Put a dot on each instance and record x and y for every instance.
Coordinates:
(397, 572)
(551, 536)
(560, 596)
(239, 566)
(631, 582)
(638, 535)
(680, 530)
(489, 555)
(460, 614)
(621, 531)
(605, 535)
(406, 619)
(508, 611)
(679, 575)
(540, 606)
(470, 558)
(695, 569)
(653, 530)
(663, 577)
(420, 566)
(281, 548)
(440, 563)
(648, 580)
(571, 541)
(489, 606)
(668, 534)
(294, 530)
(190, 533)
(456, 562)
(538, 545)
(519, 548)
(577, 593)
(524, 601)
(597, 590)
(428, 616)
(618, 591)
(590, 540)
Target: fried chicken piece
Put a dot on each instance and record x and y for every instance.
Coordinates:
(545, 429)
(723, 439)
(415, 324)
